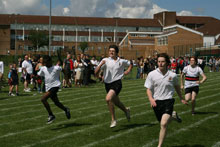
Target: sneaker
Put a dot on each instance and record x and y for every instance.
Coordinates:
(27, 90)
(176, 117)
(51, 118)
(127, 114)
(113, 124)
(67, 112)
(193, 113)
(11, 94)
(17, 94)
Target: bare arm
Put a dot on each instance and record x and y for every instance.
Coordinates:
(129, 69)
(181, 80)
(204, 78)
(150, 97)
(177, 88)
(99, 67)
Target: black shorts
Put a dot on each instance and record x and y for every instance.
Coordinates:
(28, 77)
(163, 107)
(191, 89)
(116, 86)
(15, 82)
(53, 91)
(67, 74)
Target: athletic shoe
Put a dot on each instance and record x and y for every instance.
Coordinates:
(127, 114)
(176, 117)
(11, 94)
(27, 90)
(193, 113)
(51, 118)
(113, 124)
(67, 112)
(17, 94)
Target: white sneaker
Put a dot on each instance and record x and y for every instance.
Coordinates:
(113, 124)
(127, 114)
(176, 117)
(27, 90)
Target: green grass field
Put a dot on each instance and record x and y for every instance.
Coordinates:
(23, 119)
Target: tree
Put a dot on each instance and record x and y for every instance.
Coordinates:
(84, 46)
(38, 39)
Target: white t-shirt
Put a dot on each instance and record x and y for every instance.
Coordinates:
(162, 86)
(1, 67)
(28, 66)
(113, 70)
(51, 76)
(191, 75)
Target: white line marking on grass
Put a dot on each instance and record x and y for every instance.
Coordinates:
(78, 98)
(135, 129)
(75, 93)
(19, 113)
(99, 125)
(74, 110)
(216, 144)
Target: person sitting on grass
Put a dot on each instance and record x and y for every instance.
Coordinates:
(52, 83)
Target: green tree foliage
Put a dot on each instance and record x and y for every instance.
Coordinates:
(84, 46)
(38, 39)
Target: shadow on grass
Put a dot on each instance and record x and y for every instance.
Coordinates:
(203, 113)
(130, 126)
(11, 97)
(63, 126)
(5, 98)
(186, 145)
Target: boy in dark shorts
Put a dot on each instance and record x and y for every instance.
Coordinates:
(52, 83)
(161, 84)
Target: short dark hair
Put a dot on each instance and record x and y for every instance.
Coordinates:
(167, 58)
(195, 58)
(47, 60)
(115, 47)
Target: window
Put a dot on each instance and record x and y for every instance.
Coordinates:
(162, 40)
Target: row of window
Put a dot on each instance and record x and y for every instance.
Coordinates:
(83, 28)
(162, 40)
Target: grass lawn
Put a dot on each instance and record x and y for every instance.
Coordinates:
(23, 119)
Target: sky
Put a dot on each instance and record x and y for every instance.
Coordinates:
(111, 8)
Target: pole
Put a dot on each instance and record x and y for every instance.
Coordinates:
(15, 37)
(50, 29)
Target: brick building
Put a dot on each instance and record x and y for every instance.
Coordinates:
(166, 32)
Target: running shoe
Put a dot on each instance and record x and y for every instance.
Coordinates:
(11, 94)
(176, 117)
(127, 114)
(113, 124)
(51, 118)
(67, 112)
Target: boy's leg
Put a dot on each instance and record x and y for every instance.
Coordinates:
(46, 104)
(193, 102)
(60, 105)
(163, 128)
(110, 104)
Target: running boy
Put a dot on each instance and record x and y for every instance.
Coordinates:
(52, 83)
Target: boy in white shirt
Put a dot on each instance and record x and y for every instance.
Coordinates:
(113, 71)
(191, 74)
(161, 84)
(52, 83)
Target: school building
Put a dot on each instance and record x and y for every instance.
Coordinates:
(165, 32)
